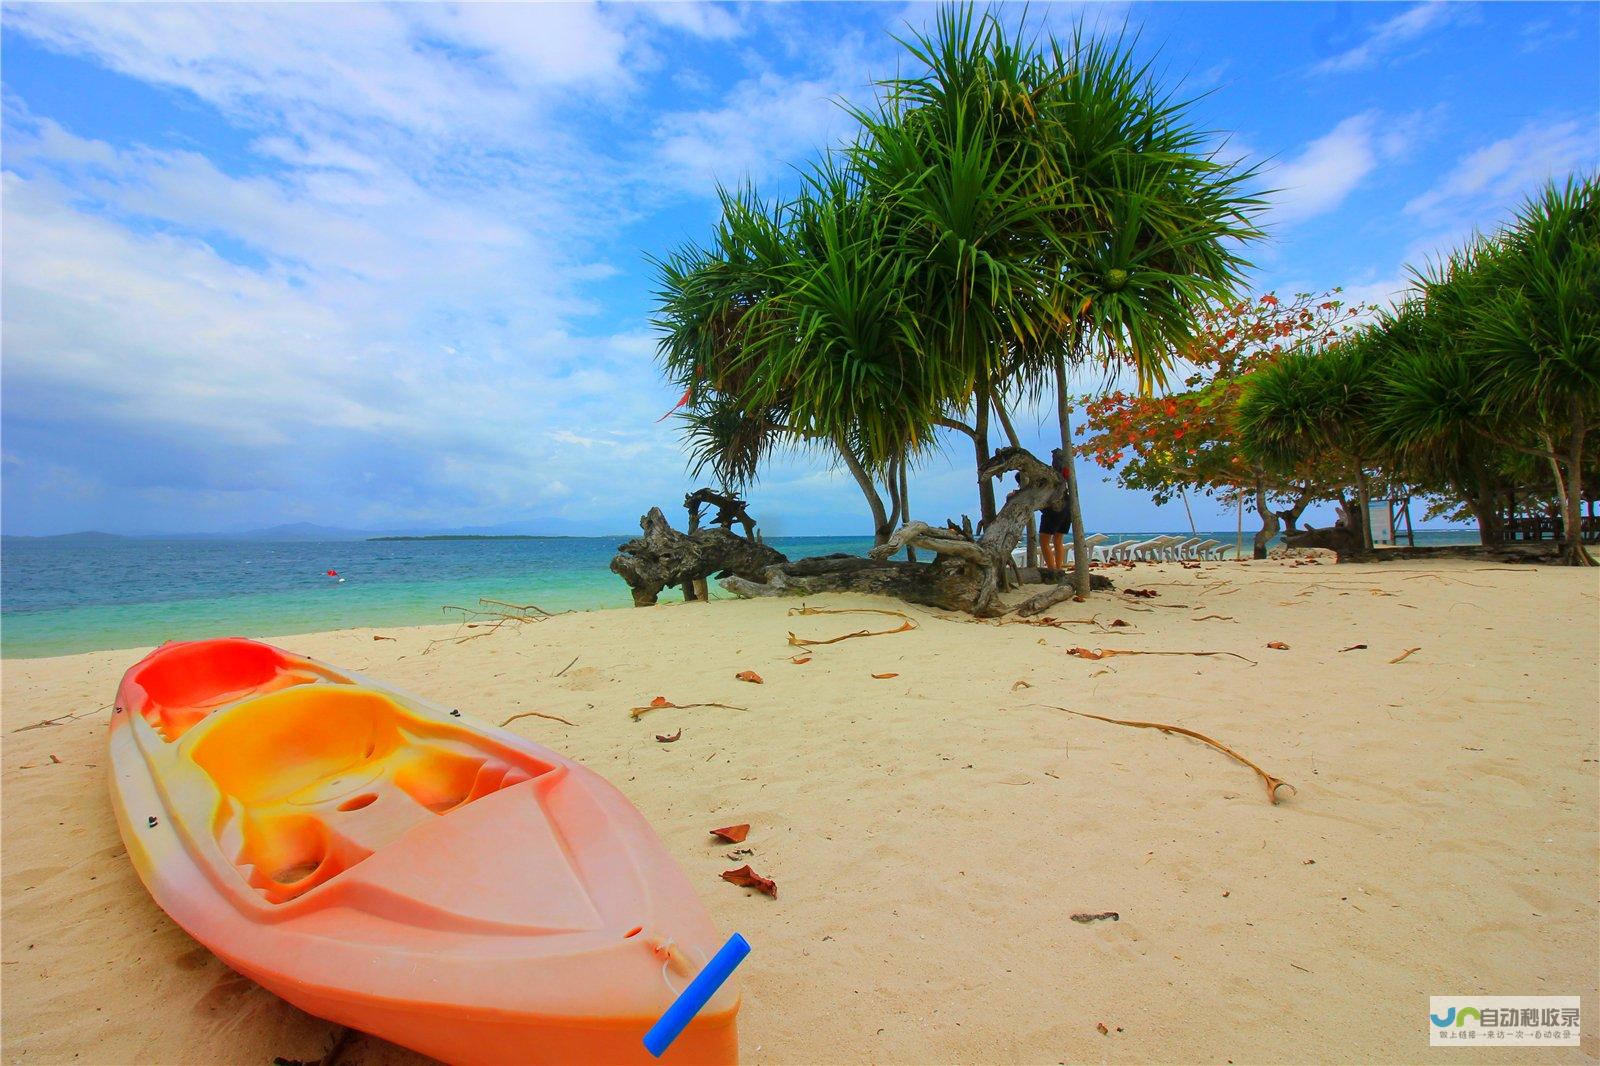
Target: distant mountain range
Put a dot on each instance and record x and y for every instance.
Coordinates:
(310, 531)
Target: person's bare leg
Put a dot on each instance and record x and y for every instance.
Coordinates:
(1058, 551)
(1047, 559)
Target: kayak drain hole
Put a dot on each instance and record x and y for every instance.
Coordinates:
(355, 803)
(635, 931)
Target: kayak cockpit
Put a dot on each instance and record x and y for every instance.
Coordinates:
(179, 684)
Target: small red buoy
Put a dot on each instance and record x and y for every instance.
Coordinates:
(333, 573)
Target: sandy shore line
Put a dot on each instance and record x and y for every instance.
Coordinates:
(932, 833)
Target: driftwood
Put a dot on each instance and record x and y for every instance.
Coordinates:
(967, 572)
(730, 509)
(663, 557)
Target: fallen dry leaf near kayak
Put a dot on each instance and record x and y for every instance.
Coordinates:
(733, 834)
(745, 877)
(1403, 656)
(750, 676)
(669, 738)
(884, 677)
(1277, 645)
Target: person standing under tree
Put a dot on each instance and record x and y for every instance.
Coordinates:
(1054, 524)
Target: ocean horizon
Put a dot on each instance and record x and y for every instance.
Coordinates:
(61, 596)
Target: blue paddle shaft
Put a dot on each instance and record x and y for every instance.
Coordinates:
(692, 999)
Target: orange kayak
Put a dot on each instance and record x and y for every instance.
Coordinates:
(380, 862)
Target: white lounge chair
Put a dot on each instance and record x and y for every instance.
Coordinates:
(1184, 549)
(1207, 549)
(1139, 549)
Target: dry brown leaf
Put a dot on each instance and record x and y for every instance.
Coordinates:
(750, 676)
(745, 877)
(1403, 656)
(1119, 623)
(668, 738)
(1143, 594)
(376, 637)
(661, 701)
(1019, 684)
(733, 834)
(800, 660)
(1277, 645)
(884, 677)
(1353, 647)
(1272, 783)
(1096, 916)
(1094, 655)
(1102, 1027)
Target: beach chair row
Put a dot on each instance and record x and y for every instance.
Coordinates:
(1167, 548)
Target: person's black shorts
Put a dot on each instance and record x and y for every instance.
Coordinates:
(1055, 520)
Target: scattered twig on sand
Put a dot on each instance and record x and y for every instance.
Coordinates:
(1403, 656)
(661, 702)
(535, 714)
(1353, 647)
(1085, 919)
(1096, 654)
(490, 616)
(377, 636)
(58, 719)
(1272, 783)
(803, 642)
(565, 668)
(1051, 622)
(1218, 617)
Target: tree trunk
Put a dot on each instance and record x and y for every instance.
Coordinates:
(1080, 550)
(880, 517)
(1269, 521)
(905, 502)
(1363, 520)
(980, 447)
(1573, 552)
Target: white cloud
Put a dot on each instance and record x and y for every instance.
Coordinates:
(765, 124)
(1487, 180)
(1328, 170)
(1388, 36)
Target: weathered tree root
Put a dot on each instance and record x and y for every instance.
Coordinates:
(966, 574)
(1273, 783)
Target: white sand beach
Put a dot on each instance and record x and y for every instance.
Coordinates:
(932, 833)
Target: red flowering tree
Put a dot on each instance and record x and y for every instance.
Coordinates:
(1185, 441)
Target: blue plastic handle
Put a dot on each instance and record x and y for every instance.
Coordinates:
(692, 999)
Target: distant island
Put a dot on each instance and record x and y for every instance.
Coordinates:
(477, 536)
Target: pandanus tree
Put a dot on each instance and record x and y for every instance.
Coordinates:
(1494, 354)
(1009, 210)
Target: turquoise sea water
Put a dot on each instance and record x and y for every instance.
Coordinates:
(60, 596)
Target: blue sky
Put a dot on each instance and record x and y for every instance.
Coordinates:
(385, 266)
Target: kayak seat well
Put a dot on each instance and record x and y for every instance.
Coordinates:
(181, 684)
(316, 778)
